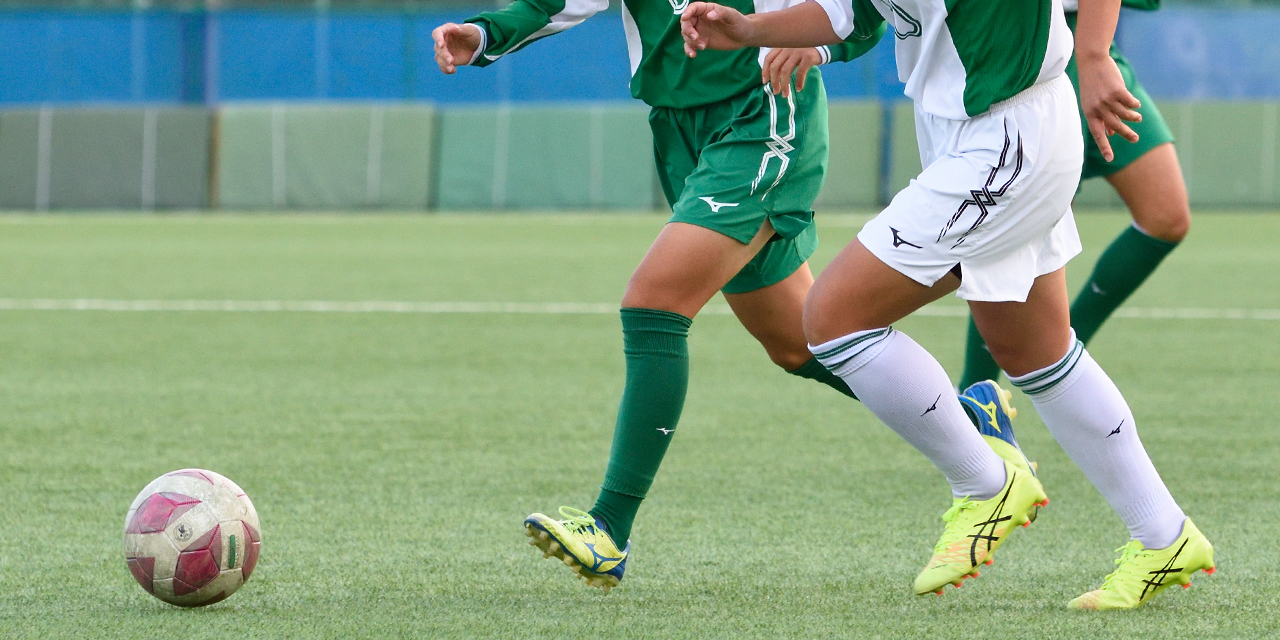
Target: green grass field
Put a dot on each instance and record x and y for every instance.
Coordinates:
(392, 456)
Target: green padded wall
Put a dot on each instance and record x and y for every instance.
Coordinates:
(324, 156)
(853, 168)
(96, 158)
(19, 159)
(181, 166)
(904, 156)
(1228, 151)
(598, 156)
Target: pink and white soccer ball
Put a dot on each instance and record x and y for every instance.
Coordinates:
(191, 537)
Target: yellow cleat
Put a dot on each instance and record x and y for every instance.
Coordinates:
(582, 543)
(1142, 573)
(976, 528)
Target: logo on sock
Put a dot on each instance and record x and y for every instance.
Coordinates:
(716, 206)
(1117, 429)
(666, 432)
(1096, 289)
(935, 405)
(898, 241)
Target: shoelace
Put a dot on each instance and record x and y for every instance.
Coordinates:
(575, 520)
(1129, 554)
(949, 536)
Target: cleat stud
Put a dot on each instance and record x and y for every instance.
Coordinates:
(989, 561)
(1210, 570)
(1186, 586)
(568, 561)
(1026, 523)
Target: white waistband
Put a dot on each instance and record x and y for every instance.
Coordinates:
(1032, 92)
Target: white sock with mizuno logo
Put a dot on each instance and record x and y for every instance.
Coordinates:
(1089, 418)
(906, 388)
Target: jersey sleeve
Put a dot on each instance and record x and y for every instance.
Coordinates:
(1141, 5)
(853, 18)
(853, 46)
(524, 21)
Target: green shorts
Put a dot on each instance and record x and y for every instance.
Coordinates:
(730, 165)
(1152, 131)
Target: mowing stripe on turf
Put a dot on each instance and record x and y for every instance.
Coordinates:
(551, 308)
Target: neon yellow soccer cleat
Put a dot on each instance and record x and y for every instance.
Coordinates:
(582, 543)
(1142, 572)
(976, 528)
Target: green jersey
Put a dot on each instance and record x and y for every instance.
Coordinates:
(661, 74)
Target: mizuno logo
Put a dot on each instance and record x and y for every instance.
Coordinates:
(1096, 289)
(898, 241)
(1117, 430)
(935, 405)
(666, 432)
(717, 206)
(990, 409)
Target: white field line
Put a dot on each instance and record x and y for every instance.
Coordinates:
(547, 308)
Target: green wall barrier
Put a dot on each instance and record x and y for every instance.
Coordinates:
(93, 158)
(324, 156)
(19, 159)
(597, 156)
(853, 169)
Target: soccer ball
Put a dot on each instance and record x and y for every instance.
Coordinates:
(191, 537)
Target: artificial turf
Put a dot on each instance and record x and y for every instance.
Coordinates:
(392, 456)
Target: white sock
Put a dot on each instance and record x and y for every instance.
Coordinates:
(1085, 412)
(907, 389)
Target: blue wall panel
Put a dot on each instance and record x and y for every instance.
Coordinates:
(159, 56)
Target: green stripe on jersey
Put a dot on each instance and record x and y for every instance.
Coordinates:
(992, 38)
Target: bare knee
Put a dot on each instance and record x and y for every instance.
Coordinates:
(1170, 223)
(789, 357)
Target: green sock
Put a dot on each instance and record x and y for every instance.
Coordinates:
(1132, 256)
(656, 347)
(978, 363)
(814, 370)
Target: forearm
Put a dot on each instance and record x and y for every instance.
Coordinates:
(1095, 28)
(855, 46)
(804, 25)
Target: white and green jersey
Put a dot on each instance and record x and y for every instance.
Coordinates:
(958, 57)
(661, 74)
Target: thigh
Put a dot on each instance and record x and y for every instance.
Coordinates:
(1027, 336)
(686, 265)
(1153, 189)
(858, 291)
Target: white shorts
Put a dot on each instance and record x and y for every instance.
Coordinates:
(994, 198)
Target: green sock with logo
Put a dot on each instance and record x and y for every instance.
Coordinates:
(1121, 269)
(655, 344)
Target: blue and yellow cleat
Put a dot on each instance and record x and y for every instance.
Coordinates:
(988, 406)
(582, 543)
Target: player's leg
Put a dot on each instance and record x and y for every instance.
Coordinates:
(772, 315)
(1148, 178)
(683, 269)
(1088, 416)
(1152, 187)
(847, 320)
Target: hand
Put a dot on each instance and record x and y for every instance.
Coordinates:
(455, 45)
(781, 63)
(1105, 102)
(706, 25)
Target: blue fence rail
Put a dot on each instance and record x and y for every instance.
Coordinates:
(168, 56)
